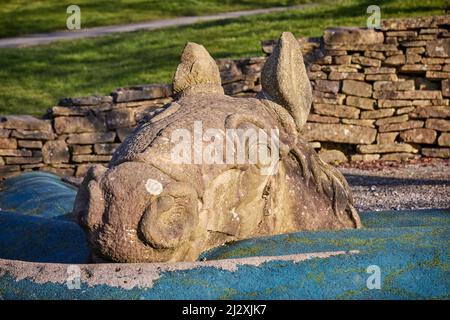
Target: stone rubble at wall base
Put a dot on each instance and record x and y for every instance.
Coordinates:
(376, 95)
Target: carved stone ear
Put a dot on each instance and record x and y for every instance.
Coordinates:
(171, 218)
(197, 71)
(284, 79)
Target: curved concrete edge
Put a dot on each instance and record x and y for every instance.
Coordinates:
(414, 273)
(136, 275)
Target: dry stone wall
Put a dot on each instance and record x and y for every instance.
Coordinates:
(376, 95)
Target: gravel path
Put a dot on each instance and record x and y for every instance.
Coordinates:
(400, 186)
(43, 38)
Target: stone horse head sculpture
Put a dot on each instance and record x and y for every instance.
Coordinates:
(150, 206)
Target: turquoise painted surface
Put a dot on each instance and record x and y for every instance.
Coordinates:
(37, 194)
(425, 236)
(409, 247)
(418, 274)
(406, 218)
(30, 238)
(33, 224)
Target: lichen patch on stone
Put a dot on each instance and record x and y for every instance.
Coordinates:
(154, 187)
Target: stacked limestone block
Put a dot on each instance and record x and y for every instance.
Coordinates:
(79, 132)
(382, 94)
(24, 144)
(241, 77)
(93, 127)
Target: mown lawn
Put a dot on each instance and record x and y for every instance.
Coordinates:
(32, 16)
(32, 79)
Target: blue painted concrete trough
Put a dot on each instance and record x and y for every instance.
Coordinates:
(398, 255)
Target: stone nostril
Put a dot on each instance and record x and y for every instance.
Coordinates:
(92, 215)
(89, 204)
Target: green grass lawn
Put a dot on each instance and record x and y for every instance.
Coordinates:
(31, 16)
(32, 79)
